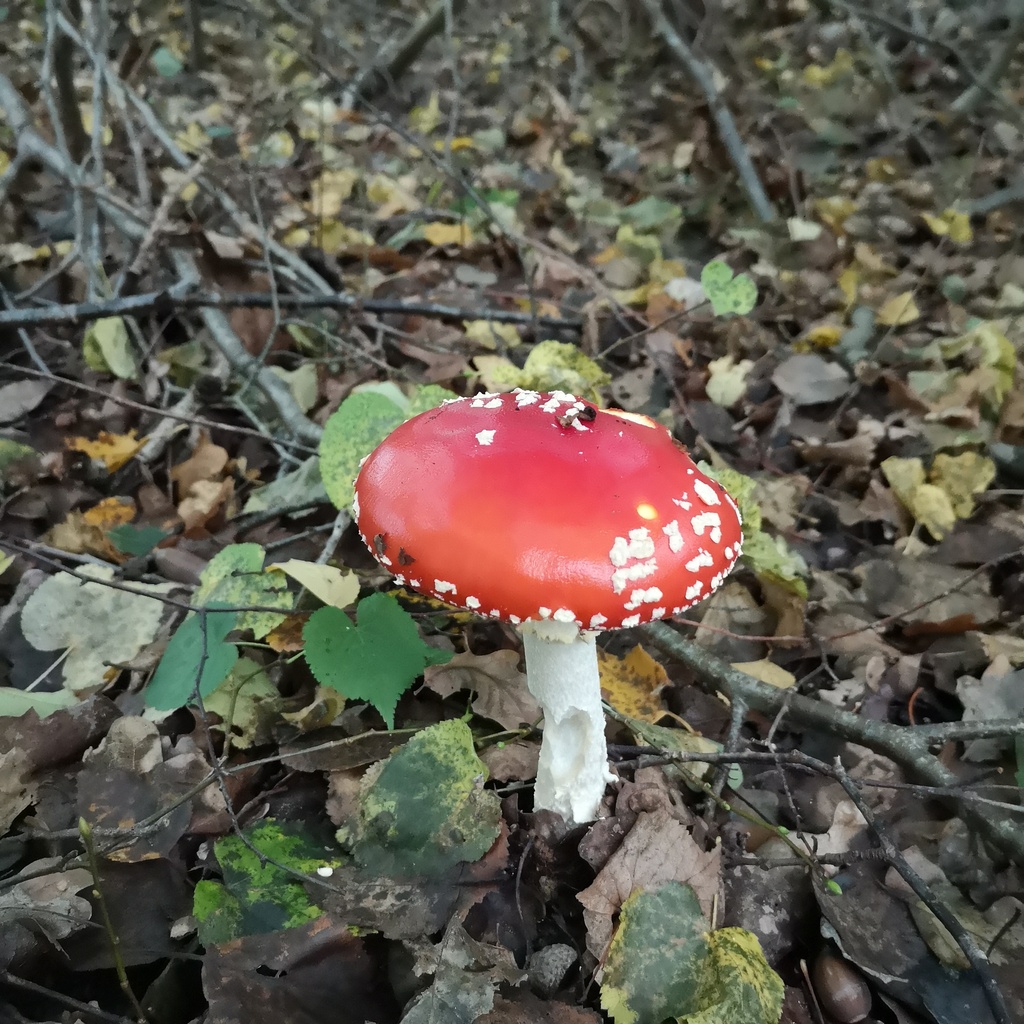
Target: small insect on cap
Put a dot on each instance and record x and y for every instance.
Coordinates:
(540, 506)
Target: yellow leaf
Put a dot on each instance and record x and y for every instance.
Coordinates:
(439, 233)
(489, 334)
(881, 168)
(335, 237)
(458, 143)
(727, 380)
(193, 139)
(823, 336)
(662, 271)
(425, 119)
(331, 585)
(900, 309)
(962, 477)
(630, 684)
(113, 450)
(110, 512)
(928, 504)
(638, 296)
(392, 196)
(951, 223)
(849, 284)
(869, 260)
(330, 190)
(817, 76)
(833, 211)
(768, 672)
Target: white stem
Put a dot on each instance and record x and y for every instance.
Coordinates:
(561, 672)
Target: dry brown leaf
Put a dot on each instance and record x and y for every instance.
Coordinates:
(657, 849)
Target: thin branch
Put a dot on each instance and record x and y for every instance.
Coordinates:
(985, 85)
(904, 745)
(181, 297)
(703, 74)
(372, 81)
(230, 346)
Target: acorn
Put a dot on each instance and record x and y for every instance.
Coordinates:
(841, 990)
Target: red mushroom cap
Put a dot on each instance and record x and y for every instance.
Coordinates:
(542, 506)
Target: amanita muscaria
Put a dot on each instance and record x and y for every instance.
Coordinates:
(561, 518)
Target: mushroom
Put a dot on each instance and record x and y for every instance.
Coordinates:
(563, 519)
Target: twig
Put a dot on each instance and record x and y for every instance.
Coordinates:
(961, 935)
(377, 77)
(703, 74)
(230, 346)
(969, 100)
(162, 414)
(904, 745)
(85, 1009)
(108, 925)
(181, 297)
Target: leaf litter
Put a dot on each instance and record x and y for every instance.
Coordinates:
(272, 790)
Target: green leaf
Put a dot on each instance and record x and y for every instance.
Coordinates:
(234, 578)
(361, 422)
(165, 63)
(259, 894)
(14, 702)
(429, 396)
(550, 366)
(11, 453)
(301, 485)
(246, 702)
(136, 540)
(727, 294)
(174, 682)
(653, 212)
(376, 660)
(426, 810)
(653, 965)
(737, 986)
(106, 348)
(770, 557)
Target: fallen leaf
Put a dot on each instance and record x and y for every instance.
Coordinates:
(489, 334)
(809, 379)
(952, 224)
(657, 849)
(441, 233)
(767, 672)
(898, 310)
(630, 684)
(501, 691)
(113, 450)
(727, 382)
(332, 585)
(99, 626)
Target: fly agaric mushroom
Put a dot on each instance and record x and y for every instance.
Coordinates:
(558, 517)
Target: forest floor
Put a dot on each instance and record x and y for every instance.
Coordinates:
(245, 775)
